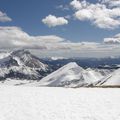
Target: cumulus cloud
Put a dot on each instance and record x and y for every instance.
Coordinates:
(15, 37)
(111, 3)
(113, 40)
(12, 36)
(76, 4)
(99, 14)
(53, 21)
(4, 17)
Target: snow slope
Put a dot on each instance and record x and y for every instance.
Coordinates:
(70, 75)
(42, 103)
(112, 79)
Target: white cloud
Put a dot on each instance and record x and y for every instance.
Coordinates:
(11, 37)
(53, 21)
(76, 4)
(15, 37)
(111, 3)
(113, 40)
(99, 14)
(4, 17)
(84, 14)
(62, 7)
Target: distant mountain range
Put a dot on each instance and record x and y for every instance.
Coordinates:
(101, 63)
(22, 66)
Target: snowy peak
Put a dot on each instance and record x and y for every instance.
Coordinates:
(62, 76)
(71, 66)
(21, 64)
(70, 75)
(24, 57)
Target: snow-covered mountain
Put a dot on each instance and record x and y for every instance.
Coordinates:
(21, 64)
(70, 75)
(24, 57)
(112, 79)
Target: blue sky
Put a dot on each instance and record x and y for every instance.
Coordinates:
(28, 15)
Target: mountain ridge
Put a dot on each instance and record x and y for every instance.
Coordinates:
(21, 64)
(70, 75)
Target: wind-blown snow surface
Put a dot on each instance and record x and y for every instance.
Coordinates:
(42, 103)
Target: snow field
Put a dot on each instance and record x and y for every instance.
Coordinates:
(49, 103)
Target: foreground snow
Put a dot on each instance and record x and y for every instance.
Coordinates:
(42, 103)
